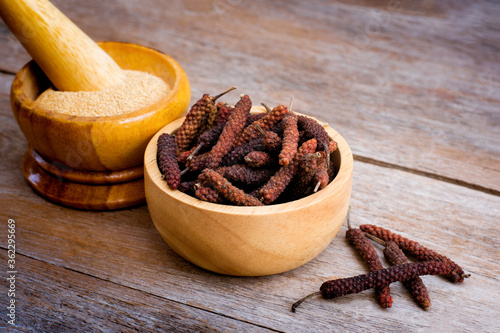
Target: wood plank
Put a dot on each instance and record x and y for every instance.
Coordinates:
(399, 82)
(124, 248)
(54, 299)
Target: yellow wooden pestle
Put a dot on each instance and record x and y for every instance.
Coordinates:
(70, 59)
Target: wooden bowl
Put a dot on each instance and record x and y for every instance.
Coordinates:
(248, 241)
(67, 153)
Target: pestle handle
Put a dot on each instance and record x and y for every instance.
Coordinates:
(70, 59)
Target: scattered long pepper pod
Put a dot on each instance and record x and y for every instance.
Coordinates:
(290, 138)
(378, 279)
(195, 120)
(257, 159)
(415, 286)
(167, 161)
(279, 181)
(415, 249)
(233, 127)
(265, 123)
(367, 252)
(230, 192)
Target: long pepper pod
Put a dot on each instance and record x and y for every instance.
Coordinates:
(378, 279)
(415, 249)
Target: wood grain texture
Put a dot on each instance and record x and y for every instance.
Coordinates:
(424, 71)
(426, 74)
(56, 299)
(124, 248)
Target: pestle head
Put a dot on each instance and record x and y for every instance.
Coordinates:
(70, 59)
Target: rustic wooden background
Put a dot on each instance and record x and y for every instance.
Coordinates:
(414, 88)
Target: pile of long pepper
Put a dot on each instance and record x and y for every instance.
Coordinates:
(395, 249)
(224, 154)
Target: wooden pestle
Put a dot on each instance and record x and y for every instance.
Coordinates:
(70, 59)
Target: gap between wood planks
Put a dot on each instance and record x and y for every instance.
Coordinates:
(7, 72)
(147, 293)
(383, 164)
(436, 176)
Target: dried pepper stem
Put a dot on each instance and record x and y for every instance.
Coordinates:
(268, 109)
(216, 97)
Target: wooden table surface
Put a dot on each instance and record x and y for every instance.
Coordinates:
(414, 88)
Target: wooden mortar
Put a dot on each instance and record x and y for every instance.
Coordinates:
(85, 162)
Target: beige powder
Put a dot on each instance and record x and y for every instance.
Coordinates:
(138, 91)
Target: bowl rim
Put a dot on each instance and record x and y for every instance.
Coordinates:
(29, 104)
(343, 176)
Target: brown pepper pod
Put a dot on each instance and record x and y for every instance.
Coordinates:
(414, 249)
(416, 286)
(367, 252)
(312, 129)
(301, 182)
(206, 193)
(265, 123)
(257, 159)
(193, 122)
(383, 277)
(167, 161)
(379, 279)
(290, 138)
(271, 140)
(245, 175)
(223, 113)
(279, 181)
(233, 127)
(237, 155)
(224, 187)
